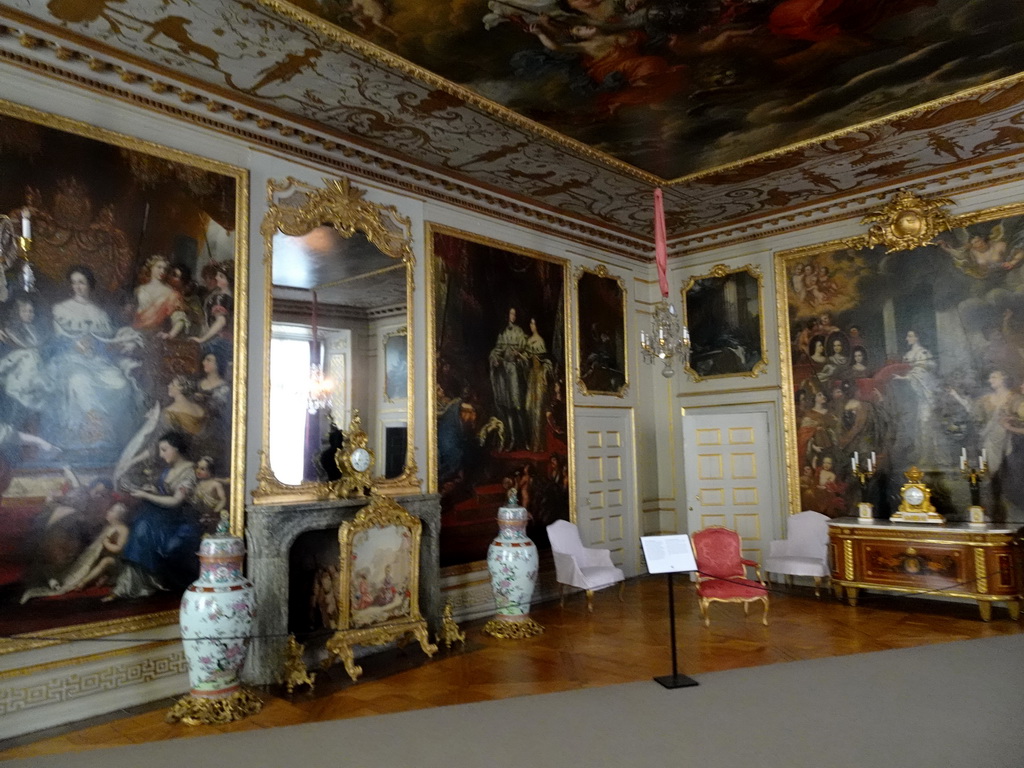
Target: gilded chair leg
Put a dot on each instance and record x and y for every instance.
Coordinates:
(622, 591)
(746, 609)
(704, 613)
(764, 619)
(590, 601)
(817, 587)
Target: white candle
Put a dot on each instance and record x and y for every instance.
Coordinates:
(963, 454)
(871, 465)
(853, 463)
(856, 458)
(963, 462)
(873, 459)
(26, 224)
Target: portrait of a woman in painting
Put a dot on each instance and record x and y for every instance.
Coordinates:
(500, 383)
(114, 374)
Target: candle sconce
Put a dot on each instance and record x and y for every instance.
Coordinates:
(865, 509)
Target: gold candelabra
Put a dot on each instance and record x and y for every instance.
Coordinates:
(863, 473)
(28, 278)
(974, 475)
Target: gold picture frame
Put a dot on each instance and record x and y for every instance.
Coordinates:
(724, 312)
(145, 232)
(921, 309)
(484, 295)
(601, 340)
(378, 599)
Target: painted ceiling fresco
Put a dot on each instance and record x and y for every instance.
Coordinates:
(709, 86)
(676, 87)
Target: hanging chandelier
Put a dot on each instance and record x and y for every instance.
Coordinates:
(668, 338)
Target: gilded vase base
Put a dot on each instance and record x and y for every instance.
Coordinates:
(506, 629)
(201, 710)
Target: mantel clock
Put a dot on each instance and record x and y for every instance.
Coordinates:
(916, 501)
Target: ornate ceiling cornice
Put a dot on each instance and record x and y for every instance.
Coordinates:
(400, 128)
(56, 58)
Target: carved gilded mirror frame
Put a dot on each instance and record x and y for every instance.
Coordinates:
(746, 368)
(295, 208)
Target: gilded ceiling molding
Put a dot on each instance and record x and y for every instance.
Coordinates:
(868, 125)
(318, 147)
(907, 221)
(833, 211)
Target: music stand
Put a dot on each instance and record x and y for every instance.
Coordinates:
(668, 555)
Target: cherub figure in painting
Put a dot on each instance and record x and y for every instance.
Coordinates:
(979, 255)
(100, 562)
(210, 499)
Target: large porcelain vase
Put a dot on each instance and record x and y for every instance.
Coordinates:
(216, 617)
(512, 561)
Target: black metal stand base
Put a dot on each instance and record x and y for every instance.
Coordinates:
(676, 681)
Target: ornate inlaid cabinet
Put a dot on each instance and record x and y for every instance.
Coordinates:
(980, 562)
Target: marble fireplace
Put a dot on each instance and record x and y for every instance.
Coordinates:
(272, 531)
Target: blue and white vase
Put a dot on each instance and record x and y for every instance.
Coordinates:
(513, 561)
(216, 616)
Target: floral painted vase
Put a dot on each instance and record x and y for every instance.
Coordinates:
(216, 617)
(512, 560)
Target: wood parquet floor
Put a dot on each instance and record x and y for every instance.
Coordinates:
(620, 642)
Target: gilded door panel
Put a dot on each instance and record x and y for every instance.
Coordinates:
(727, 477)
(606, 484)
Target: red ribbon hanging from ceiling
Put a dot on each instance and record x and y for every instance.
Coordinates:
(660, 242)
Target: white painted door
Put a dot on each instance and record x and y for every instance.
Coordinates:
(729, 480)
(606, 484)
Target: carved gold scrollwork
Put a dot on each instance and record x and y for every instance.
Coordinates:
(907, 221)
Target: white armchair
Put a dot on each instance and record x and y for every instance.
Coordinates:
(804, 551)
(582, 567)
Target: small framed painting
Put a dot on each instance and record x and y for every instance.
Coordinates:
(602, 333)
(723, 311)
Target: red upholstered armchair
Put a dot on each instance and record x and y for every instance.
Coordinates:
(722, 573)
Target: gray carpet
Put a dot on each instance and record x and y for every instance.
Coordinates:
(954, 704)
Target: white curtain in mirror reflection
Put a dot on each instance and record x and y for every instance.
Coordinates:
(289, 387)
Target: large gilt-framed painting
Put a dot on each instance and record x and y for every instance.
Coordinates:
(500, 402)
(119, 375)
(726, 323)
(906, 347)
(601, 309)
